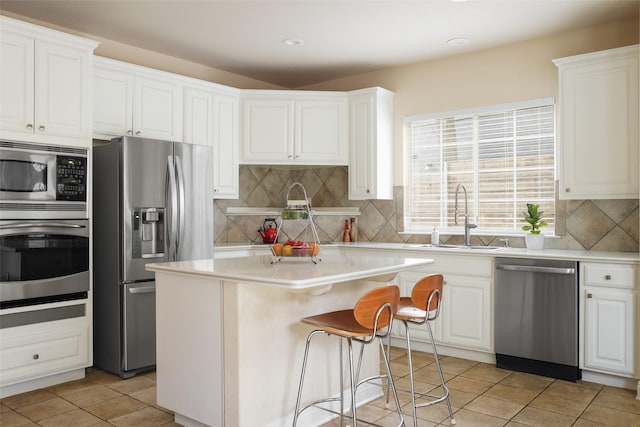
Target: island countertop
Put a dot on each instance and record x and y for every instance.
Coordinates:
(294, 273)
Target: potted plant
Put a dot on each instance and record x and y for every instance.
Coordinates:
(533, 218)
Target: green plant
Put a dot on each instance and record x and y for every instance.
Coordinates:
(533, 218)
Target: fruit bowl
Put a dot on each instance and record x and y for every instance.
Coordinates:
(295, 249)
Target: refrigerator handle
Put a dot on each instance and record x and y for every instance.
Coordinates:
(172, 206)
(181, 202)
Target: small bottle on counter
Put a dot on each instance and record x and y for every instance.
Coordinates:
(346, 235)
(353, 231)
(435, 236)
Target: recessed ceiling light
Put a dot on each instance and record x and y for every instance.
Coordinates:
(458, 41)
(293, 42)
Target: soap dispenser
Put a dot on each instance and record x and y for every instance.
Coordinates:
(435, 236)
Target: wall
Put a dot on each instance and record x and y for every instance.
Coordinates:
(605, 225)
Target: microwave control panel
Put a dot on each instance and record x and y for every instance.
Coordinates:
(71, 178)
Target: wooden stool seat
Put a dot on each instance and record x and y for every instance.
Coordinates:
(408, 311)
(342, 323)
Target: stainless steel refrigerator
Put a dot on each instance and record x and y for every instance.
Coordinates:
(152, 202)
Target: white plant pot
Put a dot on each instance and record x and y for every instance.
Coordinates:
(534, 241)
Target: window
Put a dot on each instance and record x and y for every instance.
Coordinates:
(503, 155)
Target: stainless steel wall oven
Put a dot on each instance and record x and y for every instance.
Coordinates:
(44, 226)
(43, 261)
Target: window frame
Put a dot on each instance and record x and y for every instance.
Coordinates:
(446, 202)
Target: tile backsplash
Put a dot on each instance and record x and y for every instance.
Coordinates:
(603, 225)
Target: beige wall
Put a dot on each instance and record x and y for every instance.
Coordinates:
(122, 52)
(510, 73)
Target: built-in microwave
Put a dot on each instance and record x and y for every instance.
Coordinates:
(42, 181)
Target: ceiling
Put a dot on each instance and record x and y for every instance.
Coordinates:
(341, 38)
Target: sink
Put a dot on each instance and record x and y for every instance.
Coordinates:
(473, 247)
(429, 245)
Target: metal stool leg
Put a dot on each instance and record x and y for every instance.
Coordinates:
(387, 365)
(445, 390)
(302, 374)
(410, 361)
(353, 384)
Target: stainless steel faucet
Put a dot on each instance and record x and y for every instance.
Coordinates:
(467, 226)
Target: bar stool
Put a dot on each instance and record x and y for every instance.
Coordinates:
(422, 308)
(370, 318)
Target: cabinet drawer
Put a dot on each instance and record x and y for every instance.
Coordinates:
(36, 350)
(609, 275)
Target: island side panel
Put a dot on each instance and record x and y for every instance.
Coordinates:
(264, 347)
(189, 347)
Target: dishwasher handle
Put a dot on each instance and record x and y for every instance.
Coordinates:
(536, 269)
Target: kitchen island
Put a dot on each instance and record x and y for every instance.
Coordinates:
(230, 343)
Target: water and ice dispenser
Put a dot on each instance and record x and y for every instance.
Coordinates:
(148, 233)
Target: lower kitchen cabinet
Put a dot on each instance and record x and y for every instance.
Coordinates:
(466, 312)
(609, 330)
(38, 350)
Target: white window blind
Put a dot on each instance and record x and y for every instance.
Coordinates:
(503, 155)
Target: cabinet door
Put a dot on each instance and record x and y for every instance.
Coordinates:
(371, 144)
(34, 351)
(112, 103)
(225, 147)
(198, 116)
(321, 132)
(17, 82)
(157, 109)
(63, 99)
(609, 330)
(466, 312)
(599, 127)
(267, 131)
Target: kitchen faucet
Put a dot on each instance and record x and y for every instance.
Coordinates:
(467, 226)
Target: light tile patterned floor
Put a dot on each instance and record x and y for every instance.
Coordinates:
(481, 395)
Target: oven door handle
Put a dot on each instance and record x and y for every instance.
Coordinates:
(534, 269)
(41, 224)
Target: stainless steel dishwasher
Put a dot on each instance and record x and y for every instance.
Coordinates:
(536, 316)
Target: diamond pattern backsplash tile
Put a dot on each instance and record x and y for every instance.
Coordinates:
(604, 225)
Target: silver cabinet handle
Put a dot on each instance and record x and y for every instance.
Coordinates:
(36, 356)
(41, 128)
(607, 277)
(29, 126)
(567, 190)
(143, 290)
(129, 132)
(589, 295)
(534, 269)
(138, 132)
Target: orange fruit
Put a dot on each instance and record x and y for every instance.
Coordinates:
(314, 249)
(277, 249)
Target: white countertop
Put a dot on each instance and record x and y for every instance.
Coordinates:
(294, 273)
(425, 249)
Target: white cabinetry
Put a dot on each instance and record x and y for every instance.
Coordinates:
(46, 85)
(137, 101)
(293, 127)
(610, 318)
(35, 352)
(371, 144)
(211, 118)
(598, 125)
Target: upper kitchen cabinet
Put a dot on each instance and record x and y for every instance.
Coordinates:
(137, 101)
(294, 127)
(45, 80)
(371, 144)
(211, 118)
(598, 125)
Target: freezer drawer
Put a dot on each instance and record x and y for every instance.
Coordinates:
(139, 325)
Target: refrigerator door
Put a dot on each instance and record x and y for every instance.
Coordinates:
(143, 164)
(194, 172)
(139, 325)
